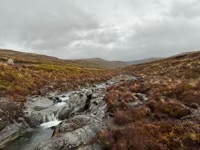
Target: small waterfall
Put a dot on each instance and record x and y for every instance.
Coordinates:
(53, 117)
(58, 113)
(50, 117)
(44, 118)
(50, 121)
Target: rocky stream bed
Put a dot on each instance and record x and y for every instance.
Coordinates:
(69, 120)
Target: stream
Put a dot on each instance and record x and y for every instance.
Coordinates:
(30, 140)
(66, 121)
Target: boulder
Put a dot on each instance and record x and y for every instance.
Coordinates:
(79, 102)
(73, 133)
(70, 140)
(35, 119)
(73, 123)
(12, 132)
(64, 113)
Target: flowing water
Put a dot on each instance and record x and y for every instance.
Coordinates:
(30, 140)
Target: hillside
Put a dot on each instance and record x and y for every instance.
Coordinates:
(142, 61)
(103, 63)
(160, 110)
(24, 57)
(154, 105)
(184, 65)
(38, 74)
(31, 58)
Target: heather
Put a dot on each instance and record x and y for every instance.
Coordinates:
(159, 110)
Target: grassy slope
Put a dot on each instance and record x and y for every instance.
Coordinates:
(37, 74)
(103, 63)
(173, 88)
(31, 58)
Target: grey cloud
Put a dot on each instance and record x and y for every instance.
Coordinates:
(165, 37)
(187, 9)
(42, 24)
(114, 29)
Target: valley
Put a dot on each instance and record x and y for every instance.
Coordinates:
(48, 103)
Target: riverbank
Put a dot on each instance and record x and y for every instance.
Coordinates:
(78, 114)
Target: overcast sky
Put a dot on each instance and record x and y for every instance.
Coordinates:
(110, 29)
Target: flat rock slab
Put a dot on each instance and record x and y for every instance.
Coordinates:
(11, 132)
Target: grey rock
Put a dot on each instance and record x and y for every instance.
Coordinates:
(1, 113)
(142, 97)
(11, 132)
(89, 93)
(90, 147)
(69, 140)
(35, 119)
(74, 123)
(82, 118)
(38, 102)
(79, 101)
(64, 113)
(135, 103)
(46, 111)
(73, 133)
(3, 123)
(94, 96)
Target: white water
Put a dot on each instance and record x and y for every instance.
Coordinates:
(65, 98)
(60, 104)
(50, 124)
(52, 121)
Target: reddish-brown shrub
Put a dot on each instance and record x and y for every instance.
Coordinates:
(130, 115)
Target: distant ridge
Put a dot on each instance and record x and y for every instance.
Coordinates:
(31, 58)
(104, 63)
(141, 61)
(25, 57)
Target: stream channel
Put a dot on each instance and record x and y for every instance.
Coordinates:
(66, 121)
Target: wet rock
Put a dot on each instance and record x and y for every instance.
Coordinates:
(89, 97)
(76, 138)
(64, 113)
(79, 102)
(3, 123)
(73, 123)
(35, 103)
(90, 147)
(40, 110)
(11, 132)
(89, 93)
(94, 96)
(1, 113)
(56, 99)
(35, 119)
(98, 107)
